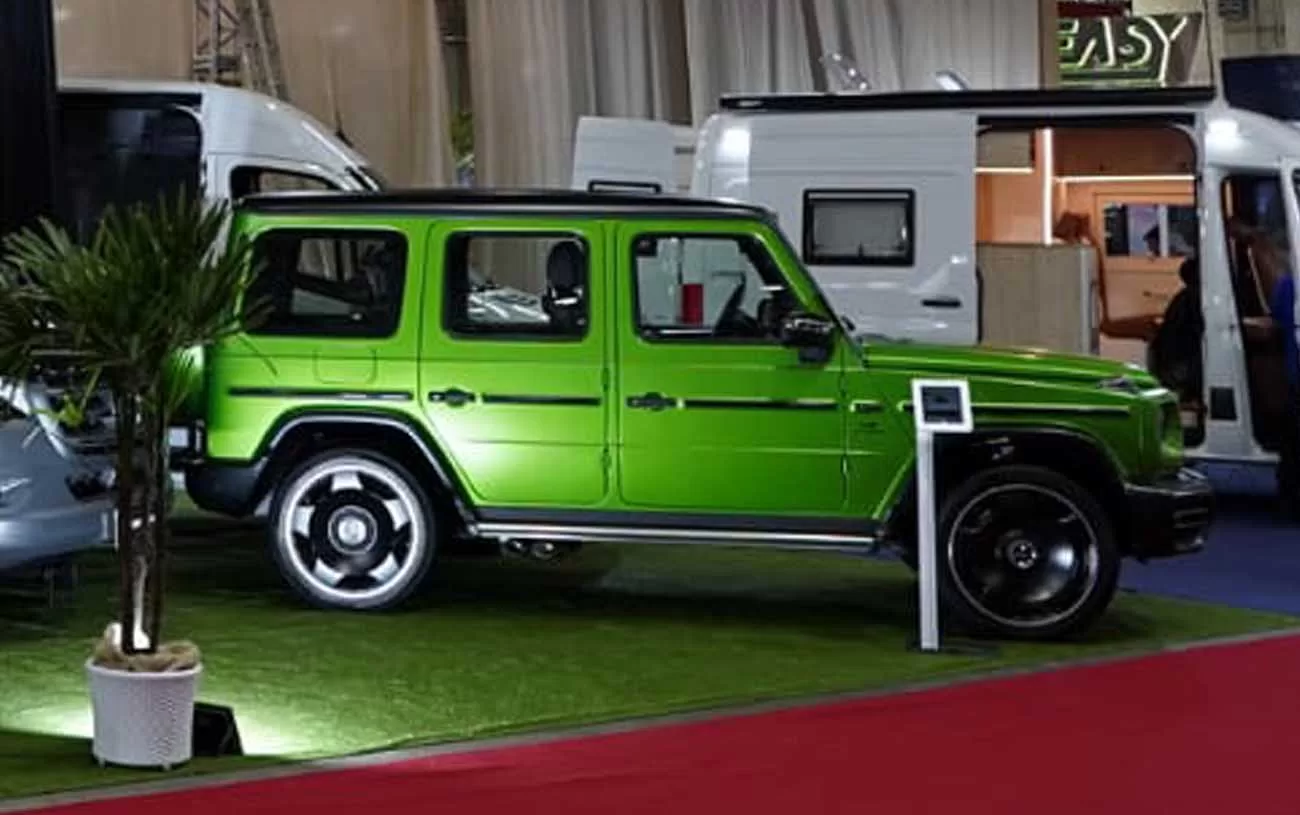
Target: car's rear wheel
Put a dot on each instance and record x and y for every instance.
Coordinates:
(352, 530)
(1026, 553)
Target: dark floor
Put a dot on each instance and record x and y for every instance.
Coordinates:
(1252, 559)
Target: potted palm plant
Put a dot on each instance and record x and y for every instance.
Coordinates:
(121, 311)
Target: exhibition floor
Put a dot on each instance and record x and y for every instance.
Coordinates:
(1188, 732)
(614, 634)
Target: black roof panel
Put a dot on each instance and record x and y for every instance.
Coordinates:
(462, 199)
(958, 100)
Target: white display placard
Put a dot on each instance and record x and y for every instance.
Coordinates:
(942, 405)
(938, 406)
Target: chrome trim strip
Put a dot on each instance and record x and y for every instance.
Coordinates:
(323, 393)
(559, 533)
(728, 403)
(1064, 409)
(539, 400)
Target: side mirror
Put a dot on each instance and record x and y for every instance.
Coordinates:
(811, 335)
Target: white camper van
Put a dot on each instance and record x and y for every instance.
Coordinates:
(1059, 219)
(120, 143)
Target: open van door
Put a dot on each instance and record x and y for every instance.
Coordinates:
(1291, 187)
(880, 204)
(628, 155)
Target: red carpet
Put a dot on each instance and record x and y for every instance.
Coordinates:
(1208, 731)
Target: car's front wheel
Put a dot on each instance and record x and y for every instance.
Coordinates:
(353, 530)
(1026, 553)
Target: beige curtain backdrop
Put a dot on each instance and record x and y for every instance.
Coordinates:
(738, 46)
(373, 68)
(124, 39)
(537, 65)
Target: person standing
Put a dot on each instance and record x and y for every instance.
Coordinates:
(1282, 307)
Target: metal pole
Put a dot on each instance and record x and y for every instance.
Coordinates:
(925, 543)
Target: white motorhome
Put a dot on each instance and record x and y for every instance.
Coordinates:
(1058, 219)
(122, 142)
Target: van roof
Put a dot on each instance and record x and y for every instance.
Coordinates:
(1193, 96)
(460, 200)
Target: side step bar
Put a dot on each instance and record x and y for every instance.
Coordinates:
(558, 533)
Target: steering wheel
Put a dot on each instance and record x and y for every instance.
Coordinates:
(731, 320)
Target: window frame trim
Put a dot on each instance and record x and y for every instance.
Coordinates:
(649, 336)
(305, 233)
(904, 195)
(448, 326)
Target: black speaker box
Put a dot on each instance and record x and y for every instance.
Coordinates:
(215, 731)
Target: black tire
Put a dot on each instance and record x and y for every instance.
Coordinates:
(352, 529)
(1025, 553)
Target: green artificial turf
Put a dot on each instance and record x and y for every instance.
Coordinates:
(493, 647)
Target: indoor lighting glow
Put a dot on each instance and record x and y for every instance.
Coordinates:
(734, 145)
(1121, 179)
(1224, 133)
(1004, 170)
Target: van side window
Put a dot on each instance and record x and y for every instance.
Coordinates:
(1149, 229)
(708, 288)
(247, 180)
(516, 286)
(328, 283)
(859, 228)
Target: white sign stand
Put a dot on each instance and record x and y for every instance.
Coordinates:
(938, 406)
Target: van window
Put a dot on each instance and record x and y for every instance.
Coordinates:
(122, 150)
(859, 228)
(329, 283)
(248, 180)
(1140, 229)
(708, 288)
(516, 286)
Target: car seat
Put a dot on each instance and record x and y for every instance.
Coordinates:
(566, 272)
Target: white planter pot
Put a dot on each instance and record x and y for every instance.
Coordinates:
(143, 719)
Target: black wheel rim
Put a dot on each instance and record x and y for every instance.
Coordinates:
(1024, 556)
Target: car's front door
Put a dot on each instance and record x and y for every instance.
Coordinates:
(512, 359)
(714, 414)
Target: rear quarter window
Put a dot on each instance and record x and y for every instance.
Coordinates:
(315, 283)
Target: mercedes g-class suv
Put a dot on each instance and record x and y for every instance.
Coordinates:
(381, 411)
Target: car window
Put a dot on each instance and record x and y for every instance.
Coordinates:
(708, 288)
(511, 285)
(329, 283)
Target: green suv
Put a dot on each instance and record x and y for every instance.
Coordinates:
(541, 370)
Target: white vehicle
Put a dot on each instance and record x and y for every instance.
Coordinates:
(1056, 219)
(121, 143)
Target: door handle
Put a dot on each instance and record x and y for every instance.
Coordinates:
(941, 302)
(452, 397)
(651, 401)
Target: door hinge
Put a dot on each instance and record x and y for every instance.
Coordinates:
(604, 379)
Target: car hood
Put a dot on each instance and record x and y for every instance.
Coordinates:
(1014, 363)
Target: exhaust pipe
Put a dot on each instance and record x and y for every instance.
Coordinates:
(541, 551)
